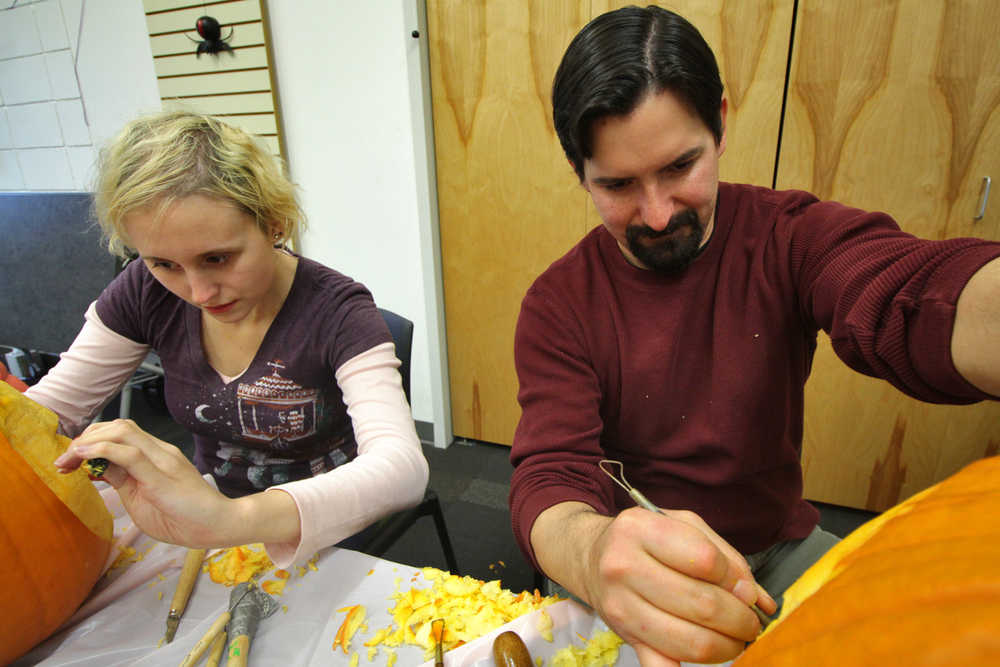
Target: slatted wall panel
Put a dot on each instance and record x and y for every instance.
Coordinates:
(238, 86)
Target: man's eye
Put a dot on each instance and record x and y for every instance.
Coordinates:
(616, 186)
(160, 264)
(216, 259)
(682, 166)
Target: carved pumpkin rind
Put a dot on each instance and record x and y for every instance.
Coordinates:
(918, 587)
(51, 559)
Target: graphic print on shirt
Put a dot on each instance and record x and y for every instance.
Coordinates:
(276, 410)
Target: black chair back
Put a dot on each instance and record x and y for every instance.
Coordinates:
(402, 335)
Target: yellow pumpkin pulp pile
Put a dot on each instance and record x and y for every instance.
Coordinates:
(918, 585)
(55, 531)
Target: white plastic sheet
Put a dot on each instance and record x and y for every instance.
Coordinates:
(123, 621)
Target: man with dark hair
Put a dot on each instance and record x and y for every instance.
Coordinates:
(676, 338)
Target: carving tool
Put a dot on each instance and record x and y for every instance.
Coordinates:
(509, 651)
(644, 502)
(217, 627)
(247, 613)
(437, 631)
(189, 572)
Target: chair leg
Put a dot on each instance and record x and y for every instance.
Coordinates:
(442, 530)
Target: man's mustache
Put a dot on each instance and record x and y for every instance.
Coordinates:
(685, 218)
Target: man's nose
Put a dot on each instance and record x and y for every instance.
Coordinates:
(656, 207)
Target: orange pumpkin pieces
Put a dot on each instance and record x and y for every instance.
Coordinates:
(55, 532)
(918, 585)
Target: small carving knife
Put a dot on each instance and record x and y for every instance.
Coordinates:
(192, 565)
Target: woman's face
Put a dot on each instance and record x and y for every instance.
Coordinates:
(210, 253)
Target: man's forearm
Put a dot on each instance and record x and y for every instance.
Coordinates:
(975, 341)
(561, 537)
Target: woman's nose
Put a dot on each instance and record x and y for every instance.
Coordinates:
(203, 289)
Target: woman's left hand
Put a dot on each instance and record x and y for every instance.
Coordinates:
(162, 491)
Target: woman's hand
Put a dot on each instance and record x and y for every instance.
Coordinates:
(162, 491)
(666, 583)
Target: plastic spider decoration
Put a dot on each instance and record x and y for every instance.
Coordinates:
(212, 40)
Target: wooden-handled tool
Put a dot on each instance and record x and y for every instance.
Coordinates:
(247, 614)
(189, 572)
(509, 651)
(437, 631)
(209, 637)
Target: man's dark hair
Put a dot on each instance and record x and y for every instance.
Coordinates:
(620, 56)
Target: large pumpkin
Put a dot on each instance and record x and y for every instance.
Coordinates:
(918, 585)
(55, 531)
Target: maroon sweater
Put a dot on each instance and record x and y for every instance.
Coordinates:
(695, 381)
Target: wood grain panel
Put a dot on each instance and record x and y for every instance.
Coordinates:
(883, 121)
(509, 203)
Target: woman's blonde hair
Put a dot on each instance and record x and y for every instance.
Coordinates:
(160, 158)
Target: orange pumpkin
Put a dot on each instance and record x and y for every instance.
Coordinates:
(918, 585)
(55, 531)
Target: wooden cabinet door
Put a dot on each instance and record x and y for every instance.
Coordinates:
(892, 106)
(509, 204)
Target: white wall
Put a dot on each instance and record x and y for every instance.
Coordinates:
(350, 106)
(353, 89)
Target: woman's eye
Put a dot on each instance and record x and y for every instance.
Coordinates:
(160, 264)
(216, 259)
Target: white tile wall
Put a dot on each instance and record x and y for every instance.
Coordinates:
(46, 142)
(46, 169)
(34, 125)
(10, 172)
(5, 141)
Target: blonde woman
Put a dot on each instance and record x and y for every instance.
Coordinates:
(281, 368)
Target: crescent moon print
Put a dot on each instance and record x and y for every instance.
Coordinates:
(199, 413)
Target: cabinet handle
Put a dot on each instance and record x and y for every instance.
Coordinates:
(986, 196)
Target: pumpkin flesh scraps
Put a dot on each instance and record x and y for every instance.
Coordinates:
(51, 559)
(355, 617)
(470, 608)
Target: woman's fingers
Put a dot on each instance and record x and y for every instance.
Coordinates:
(122, 443)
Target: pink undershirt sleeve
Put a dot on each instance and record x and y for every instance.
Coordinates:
(389, 474)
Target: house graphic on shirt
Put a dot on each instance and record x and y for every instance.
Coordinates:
(276, 408)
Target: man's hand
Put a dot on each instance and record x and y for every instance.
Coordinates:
(666, 583)
(167, 497)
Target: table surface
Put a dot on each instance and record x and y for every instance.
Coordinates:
(123, 621)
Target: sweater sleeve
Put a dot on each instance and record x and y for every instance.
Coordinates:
(886, 298)
(557, 444)
(88, 375)
(389, 474)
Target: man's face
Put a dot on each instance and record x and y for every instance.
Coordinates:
(653, 177)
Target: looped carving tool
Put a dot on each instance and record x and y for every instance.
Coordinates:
(644, 502)
(189, 572)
